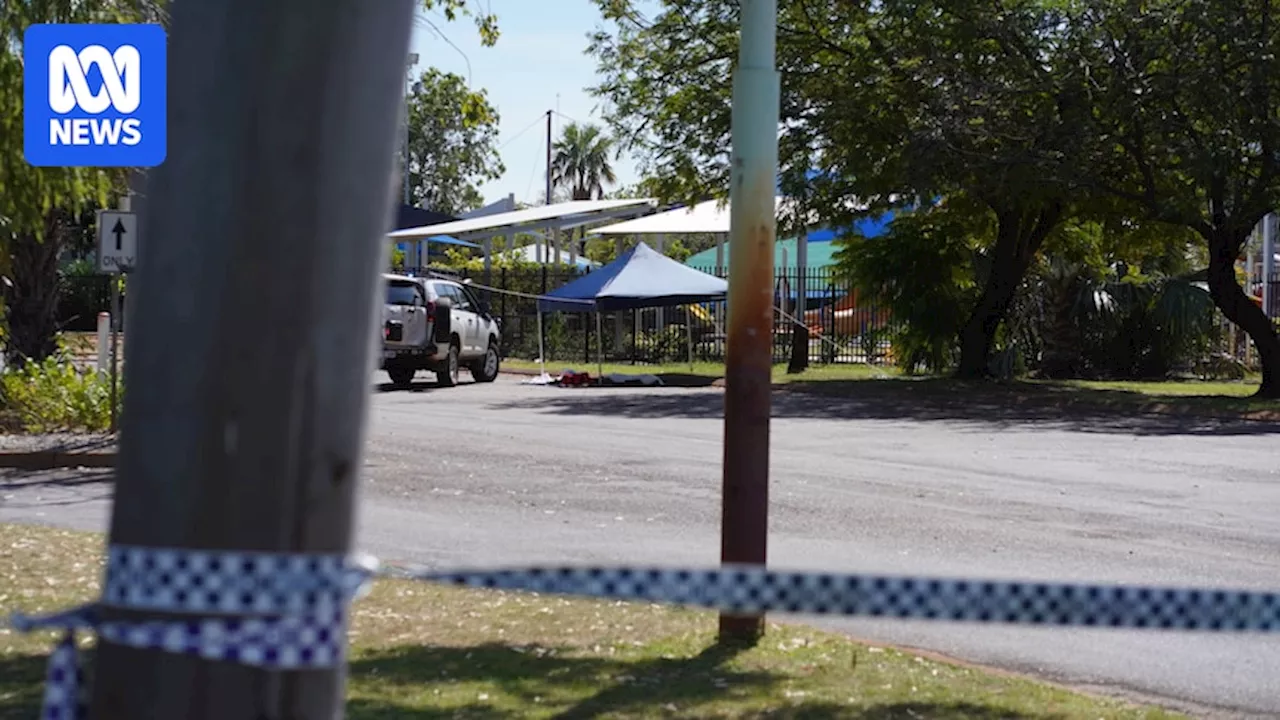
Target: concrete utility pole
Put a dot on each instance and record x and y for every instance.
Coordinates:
(249, 363)
(749, 356)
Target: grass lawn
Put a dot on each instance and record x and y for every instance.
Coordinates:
(711, 371)
(1221, 399)
(421, 651)
(887, 384)
(1171, 388)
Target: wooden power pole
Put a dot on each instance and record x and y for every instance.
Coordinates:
(253, 326)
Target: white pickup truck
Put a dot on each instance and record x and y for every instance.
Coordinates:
(437, 324)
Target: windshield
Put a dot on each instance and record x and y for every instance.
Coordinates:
(401, 292)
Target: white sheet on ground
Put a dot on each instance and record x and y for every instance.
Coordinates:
(619, 378)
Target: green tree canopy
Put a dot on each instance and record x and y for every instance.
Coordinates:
(1184, 96)
(486, 23)
(453, 134)
(42, 207)
(893, 102)
(28, 194)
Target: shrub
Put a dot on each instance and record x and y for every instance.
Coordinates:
(54, 395)
(925, 272)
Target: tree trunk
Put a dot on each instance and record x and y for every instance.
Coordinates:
(33, 298)
(1019, 234)
(979, 333)
(1240, 310)
(799, 360)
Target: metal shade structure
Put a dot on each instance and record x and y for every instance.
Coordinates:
(529, 254)
(642, 277)
(707, 217)
(409, 216)
(449, 240)
(559, 215)
(710, 218)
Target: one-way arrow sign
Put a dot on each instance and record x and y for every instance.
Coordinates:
(119, 233)
(117, 241)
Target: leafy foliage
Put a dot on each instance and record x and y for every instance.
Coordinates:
(923, 272)
(1050, 113)
(486, 23)
(28, 193)
(1122, 324)
(46, 210)
(453, 134)
(892, 103)
(54, 395)
(665, 83)
(1184, 96)
(462, 259)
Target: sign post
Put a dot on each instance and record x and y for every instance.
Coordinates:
(117, 255)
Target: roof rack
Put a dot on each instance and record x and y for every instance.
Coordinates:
(430, 273)
(443, 274)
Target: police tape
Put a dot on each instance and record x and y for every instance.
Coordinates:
(754, 590)
(280, 611)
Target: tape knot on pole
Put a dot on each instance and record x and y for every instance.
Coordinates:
(277, 611)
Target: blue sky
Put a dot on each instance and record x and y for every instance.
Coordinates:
(541, 53)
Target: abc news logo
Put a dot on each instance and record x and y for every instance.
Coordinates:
(121, 90)
(95, 95)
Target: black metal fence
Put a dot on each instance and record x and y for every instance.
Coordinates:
(842, 332)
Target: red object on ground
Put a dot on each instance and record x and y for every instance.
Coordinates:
(575, 379)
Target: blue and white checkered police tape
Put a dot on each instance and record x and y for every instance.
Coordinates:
(289, 612)
(268, 610)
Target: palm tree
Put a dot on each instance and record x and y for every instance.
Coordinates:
(581, 161)
(1112, 324)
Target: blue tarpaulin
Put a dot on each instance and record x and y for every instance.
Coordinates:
(869, 227)
(641, 277)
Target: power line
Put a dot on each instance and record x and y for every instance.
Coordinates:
(566, 117)
(440, 34)
(526, 129)
(536, 164)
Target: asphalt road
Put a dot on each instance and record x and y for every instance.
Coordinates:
(507, 473)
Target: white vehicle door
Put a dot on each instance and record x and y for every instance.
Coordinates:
(406, 307)
(467, 317)
(481, 338)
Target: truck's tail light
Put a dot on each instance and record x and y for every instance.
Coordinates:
(431, 311)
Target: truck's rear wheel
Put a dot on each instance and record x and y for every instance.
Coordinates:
(447, 374)
(401, 376)
(486, 368)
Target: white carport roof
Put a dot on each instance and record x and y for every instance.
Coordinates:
(706, 217)
(574, 212)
